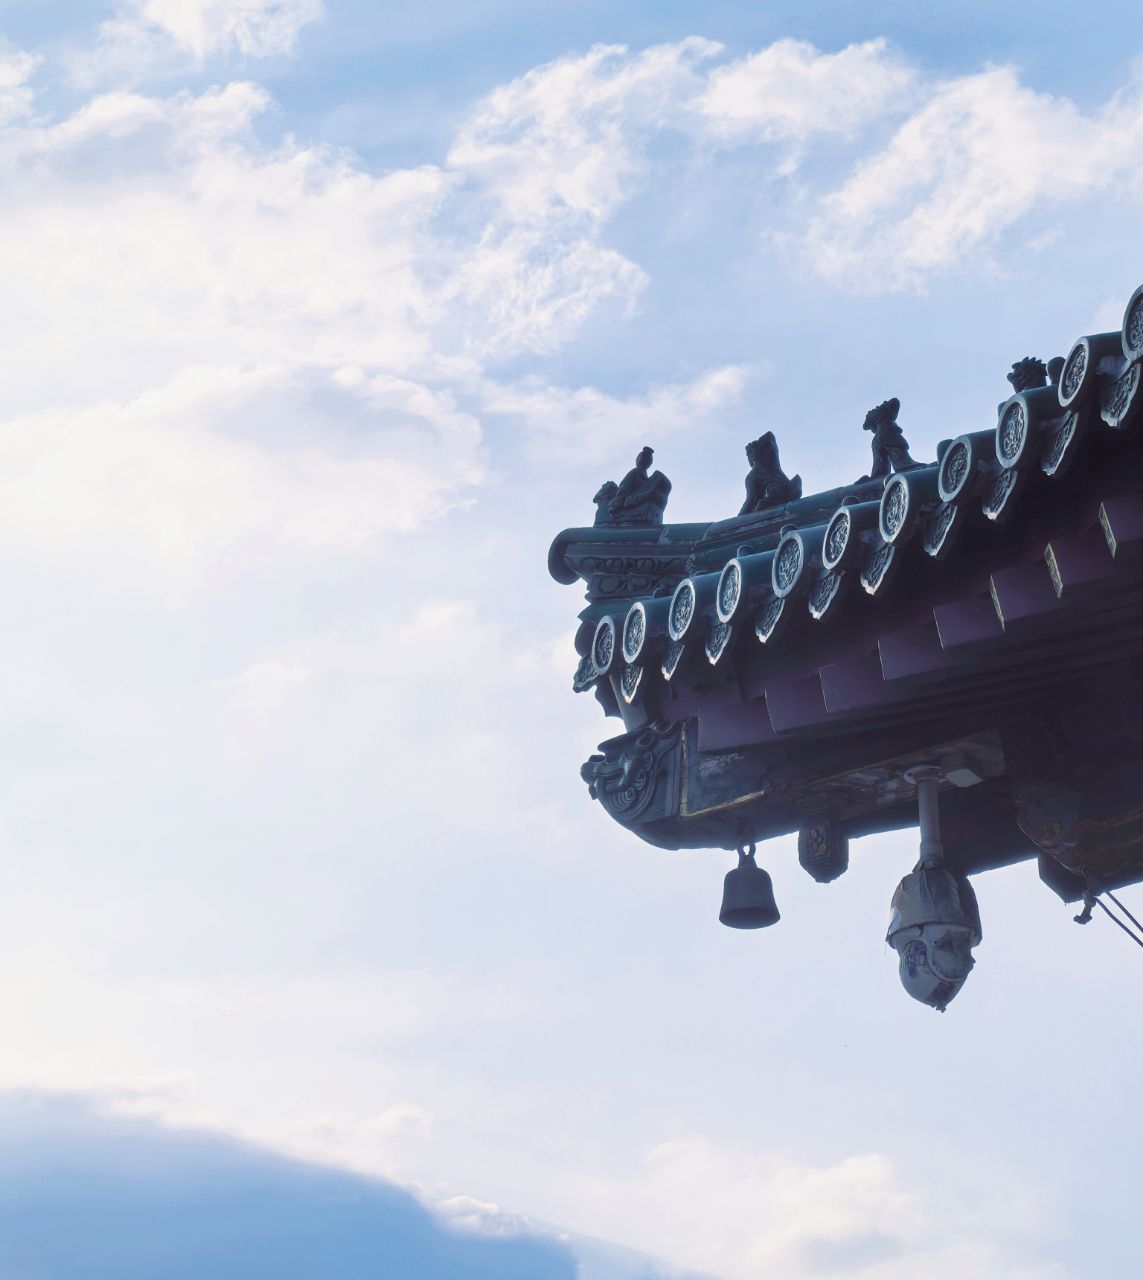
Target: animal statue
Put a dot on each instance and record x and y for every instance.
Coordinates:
(767, 485)
(890, 448)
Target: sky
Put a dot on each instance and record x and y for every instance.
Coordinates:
(320, 321)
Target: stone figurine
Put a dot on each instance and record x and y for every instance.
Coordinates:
(1028, 373)
(640, 498)
(890, 448)
(767, 485)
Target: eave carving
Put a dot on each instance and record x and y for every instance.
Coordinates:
(636, 776)
(619, 576)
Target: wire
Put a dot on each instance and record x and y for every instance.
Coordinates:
(1123, 909)
(1116, 920)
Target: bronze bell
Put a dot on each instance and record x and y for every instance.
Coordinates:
(748, 895)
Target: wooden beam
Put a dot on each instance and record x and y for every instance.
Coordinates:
(964, 623)
(796, 704)
(913, 652)
(1023, 594)
(1121, 518)
(854, 683)
(739, 724)
(1078, 562)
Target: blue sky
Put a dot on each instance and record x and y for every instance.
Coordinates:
(139, 1201)
(320, 322)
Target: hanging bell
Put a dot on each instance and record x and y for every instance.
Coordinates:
(748, 895)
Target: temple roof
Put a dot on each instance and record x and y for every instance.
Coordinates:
(814, 611)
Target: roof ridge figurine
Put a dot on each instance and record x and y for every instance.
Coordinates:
(1028, 373)
(890, 448)
(639, 499)
(767, 485)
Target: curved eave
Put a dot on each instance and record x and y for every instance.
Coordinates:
(621, 537)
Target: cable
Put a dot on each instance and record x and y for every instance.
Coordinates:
(1091, 900)
(1115, 920)
(1124, 909)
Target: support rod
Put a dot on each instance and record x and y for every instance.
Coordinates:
(927, 779)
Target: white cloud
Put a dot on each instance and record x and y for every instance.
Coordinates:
(263, 685)
(791, 90)
(466, 1213)
(141, 235)
(523, 289)
(257, 28)
(552, 155)
(227, 344)
(970, 157)
(982, 153)
(222, 346)
(16, 95)
(560, 139)
(585, 424)
(558, 151)
(739, 1212)
(175, 488)
(146, 38)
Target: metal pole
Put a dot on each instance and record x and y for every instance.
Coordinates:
(927, 779)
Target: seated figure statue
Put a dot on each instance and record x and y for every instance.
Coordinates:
(890, 448)
(640, 498)
(767, 485)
